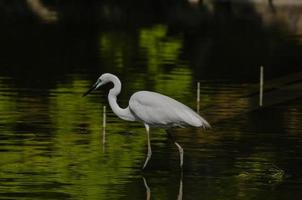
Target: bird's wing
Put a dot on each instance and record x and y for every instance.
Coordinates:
(160, 110)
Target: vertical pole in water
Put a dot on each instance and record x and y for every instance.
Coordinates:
(198, 96)
(261, 87)
(104, 125)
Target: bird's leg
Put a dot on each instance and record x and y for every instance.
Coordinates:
(181, 153)
(149, 146)
(180, 149)
(148, 191)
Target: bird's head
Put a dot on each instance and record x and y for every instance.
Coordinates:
(102, 80)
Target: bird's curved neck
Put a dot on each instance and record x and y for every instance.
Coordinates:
(117, 85)
(112, 98)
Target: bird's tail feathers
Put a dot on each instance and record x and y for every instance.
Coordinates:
(205, 124)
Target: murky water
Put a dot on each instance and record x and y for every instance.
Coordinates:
(51, 137)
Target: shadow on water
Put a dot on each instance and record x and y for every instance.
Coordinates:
(51, 138)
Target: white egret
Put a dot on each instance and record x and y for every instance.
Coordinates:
(152, 109)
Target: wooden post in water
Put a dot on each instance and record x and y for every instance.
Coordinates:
(261, 87)
(198, 96)
(104, 125)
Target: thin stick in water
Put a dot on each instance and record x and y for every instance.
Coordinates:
(261, 87)
(104, 125)
(198, 96)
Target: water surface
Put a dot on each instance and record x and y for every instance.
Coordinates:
(51, 137)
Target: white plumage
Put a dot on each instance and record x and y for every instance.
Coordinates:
(159, 110)
(151, 108)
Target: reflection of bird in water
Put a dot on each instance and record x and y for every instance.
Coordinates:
(151, 108)
(179, 196)
(180, 190)
(148, 191)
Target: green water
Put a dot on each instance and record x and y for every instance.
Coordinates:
(51, 137)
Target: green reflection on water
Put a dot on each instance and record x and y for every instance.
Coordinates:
(82, 148)
(115, 48)
(165, 72)
(174, 84)
(159, 48)
(162, 50)
(8, 103)
(70, 157)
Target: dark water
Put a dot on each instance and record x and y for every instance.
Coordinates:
(51, 137)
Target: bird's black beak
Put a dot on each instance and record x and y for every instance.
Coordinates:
(93, 87)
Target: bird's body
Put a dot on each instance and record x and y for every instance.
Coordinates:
(152, 109)
(158, 110)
